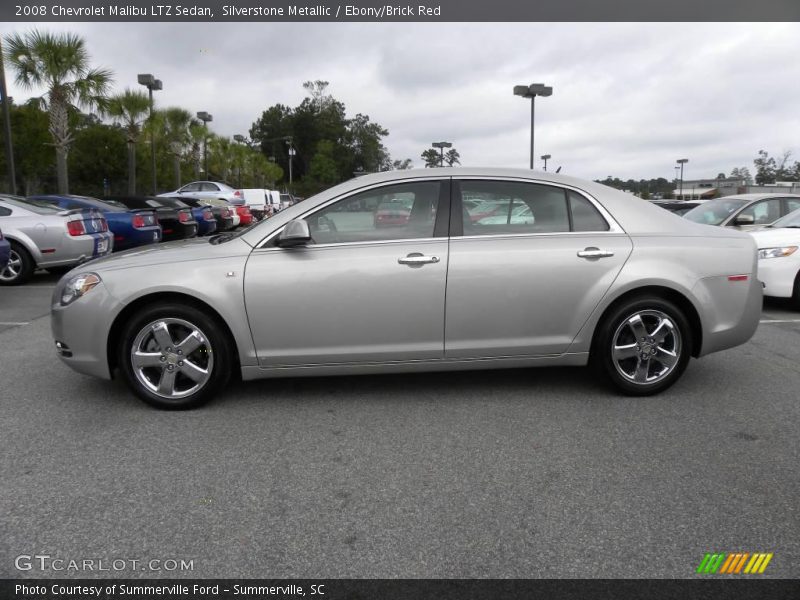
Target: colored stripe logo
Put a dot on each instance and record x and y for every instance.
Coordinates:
(727, 563)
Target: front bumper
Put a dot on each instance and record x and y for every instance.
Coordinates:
(82, 329)
(778, 275)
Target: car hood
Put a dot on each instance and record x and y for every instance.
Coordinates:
(168, 253)
(766, 238)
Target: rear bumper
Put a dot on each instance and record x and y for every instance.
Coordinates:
(78, 249)
(206, 227)
(137, 237)
(732, 313)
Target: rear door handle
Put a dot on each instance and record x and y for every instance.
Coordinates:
(416, 259)
(593, 252)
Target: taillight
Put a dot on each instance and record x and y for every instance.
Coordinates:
(237, 193)
(138, 221)
(103, 225)
(226, 212)
(183, 217)
(76, 228)
(208, 215)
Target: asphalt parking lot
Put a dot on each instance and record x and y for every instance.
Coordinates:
(530, 473)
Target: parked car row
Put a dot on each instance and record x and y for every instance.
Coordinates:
(59, 232)
(262, 203)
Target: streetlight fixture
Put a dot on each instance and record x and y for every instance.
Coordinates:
(441, 146)
(545, 158)
(153, 85)
(206, 118)
(681, 162)
(531, 91)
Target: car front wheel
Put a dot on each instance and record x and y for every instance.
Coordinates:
(175, 356)
(643, 347)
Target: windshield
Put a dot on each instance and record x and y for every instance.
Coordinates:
(40, 207)
(714, 212)
(790, 220)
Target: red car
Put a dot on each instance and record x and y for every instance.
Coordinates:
(245, 216)
(392, 214)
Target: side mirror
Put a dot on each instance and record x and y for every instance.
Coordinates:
(744, 220)
(295, 233)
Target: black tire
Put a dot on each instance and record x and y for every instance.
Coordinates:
(26, 266)
(213, 357)
(796, 291)
(635, 376)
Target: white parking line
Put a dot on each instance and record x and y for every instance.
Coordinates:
(12, 324)
(779, 321)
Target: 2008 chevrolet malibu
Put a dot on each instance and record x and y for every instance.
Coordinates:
(590, 276)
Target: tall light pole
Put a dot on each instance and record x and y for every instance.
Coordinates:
(152, 84)
(206, 118)
(531, 91)
(545, 158)
(681, 162)
(242, 140)
(12, 177)
(291, 153)
(441, 146)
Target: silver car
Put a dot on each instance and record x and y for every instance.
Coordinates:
(596, 277)
(45, 236)
(204, 190)
(744, 211)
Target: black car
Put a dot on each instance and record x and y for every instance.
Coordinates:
(679, 207)
(221, 210)
(176, 223)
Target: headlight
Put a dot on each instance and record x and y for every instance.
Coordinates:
(776, 252)
(78, 286)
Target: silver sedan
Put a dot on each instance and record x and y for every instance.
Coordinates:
(594, 277)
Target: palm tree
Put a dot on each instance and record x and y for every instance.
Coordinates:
(130, 109)
(59, 63)
(175, 123)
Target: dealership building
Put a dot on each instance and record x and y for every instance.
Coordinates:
(705, 189)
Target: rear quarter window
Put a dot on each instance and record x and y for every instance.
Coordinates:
(585, 217)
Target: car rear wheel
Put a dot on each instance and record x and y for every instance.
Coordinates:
(175, 356)
(643, 346)
(20, 266)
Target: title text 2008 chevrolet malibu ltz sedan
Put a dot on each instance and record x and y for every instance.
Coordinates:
(592, 275)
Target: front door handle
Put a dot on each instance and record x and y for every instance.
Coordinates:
(415, 259)
(593, 252)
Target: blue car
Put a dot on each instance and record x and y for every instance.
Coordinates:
(131, 228)
(5, 251)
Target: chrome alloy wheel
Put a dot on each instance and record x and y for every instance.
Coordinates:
(172, 358)
(13, 268)
(646, 347)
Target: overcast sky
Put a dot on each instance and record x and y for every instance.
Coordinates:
(628, 99)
